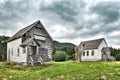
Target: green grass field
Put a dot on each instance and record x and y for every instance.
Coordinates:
(61, 71)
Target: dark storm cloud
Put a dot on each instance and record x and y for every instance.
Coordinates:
(67, 10)
(63, 9)
(69, 15)
(108, 14)
(108, 11)
(107, 22)
(11, 10)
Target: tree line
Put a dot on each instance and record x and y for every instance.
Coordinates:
(3, 48)
(68, 48)
(116, 53)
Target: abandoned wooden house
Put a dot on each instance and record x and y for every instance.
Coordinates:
(30, 45)
(93, 50)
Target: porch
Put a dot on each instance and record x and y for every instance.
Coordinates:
(37, 55)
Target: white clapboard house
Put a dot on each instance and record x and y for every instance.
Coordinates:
(30, 45)
(95, 50)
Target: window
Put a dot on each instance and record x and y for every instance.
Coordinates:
(83, 53)
(24, 49)
(87, 53)
(18, 51)
(92, 52)
(83, 45)
(39, 37)
(12, 51)
(9, 51)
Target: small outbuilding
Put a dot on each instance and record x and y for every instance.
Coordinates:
(93, 50)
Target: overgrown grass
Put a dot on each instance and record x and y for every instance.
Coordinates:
(61, 71)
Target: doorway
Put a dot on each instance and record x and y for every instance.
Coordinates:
(33, 50)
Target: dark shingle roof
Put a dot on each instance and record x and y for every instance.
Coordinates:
(91, 44)
(22, 31)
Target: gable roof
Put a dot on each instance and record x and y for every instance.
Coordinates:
(24, 30)
(91, 44)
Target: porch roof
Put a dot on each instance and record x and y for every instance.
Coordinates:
(26, 42)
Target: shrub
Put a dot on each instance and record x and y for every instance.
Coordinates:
(71, 57)
(59, 56)
(68, 57)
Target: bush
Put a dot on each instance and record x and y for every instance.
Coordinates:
(71, 57)
(59, 56)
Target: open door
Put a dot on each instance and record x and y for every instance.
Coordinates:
(33, 50)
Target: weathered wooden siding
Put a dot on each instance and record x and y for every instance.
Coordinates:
(44, 44)
(27, 39)
(12, 51)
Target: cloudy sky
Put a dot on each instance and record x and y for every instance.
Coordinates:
(66, 20)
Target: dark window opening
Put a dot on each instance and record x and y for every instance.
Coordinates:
(34, 50)
(18, 51)
(92, 52)
(12, 51)
(87, 53)
(24, 49)
(83, 53)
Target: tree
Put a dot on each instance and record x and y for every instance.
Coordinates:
(116, 53)
(66, 47)
(3, 48)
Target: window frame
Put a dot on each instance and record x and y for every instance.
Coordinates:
(18, 51)
(12, 51)
(83, 53)
(24, 50)
(87, 53)
(9, 51)
(92, 53)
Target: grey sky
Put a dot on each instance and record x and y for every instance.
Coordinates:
(66, 20)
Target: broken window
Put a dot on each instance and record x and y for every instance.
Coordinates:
(34, 50)
(24, 49)
(40, 37)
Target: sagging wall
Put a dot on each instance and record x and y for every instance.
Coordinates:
(44, 44)
(15, 52)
